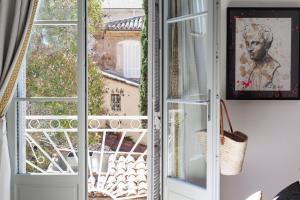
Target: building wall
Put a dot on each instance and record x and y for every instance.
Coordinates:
(272, 158)
(129, 99)
(129, 104)
(121, 9)
(122, 4)
(113, 14)
(106, 47)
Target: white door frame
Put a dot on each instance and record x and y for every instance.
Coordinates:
(213, 175)
(81, 178)
(154, 145)
(75, 183)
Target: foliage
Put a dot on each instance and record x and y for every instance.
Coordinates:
(67, 10)
(51, 65)
(95, 16)
(52, 60)
(144, 69)
(51, 69)
(95, 140)
(96, 90)
(128, 138)
(57, 9)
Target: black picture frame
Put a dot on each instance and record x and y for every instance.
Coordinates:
(257, 76)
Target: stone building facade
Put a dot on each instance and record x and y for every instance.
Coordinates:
(117, 52)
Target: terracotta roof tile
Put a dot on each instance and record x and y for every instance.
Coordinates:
(130, 24)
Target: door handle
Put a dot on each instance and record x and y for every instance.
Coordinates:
(209, 105)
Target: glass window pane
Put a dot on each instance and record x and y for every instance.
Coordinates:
(48, 137)
(50, 108)
(187, 59)
(57, 10)
(185, 7)
(186, 150)
(51, 62)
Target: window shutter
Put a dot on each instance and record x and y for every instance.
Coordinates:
(129, 58)
(157, 168)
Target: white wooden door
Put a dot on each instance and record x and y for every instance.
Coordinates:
(189, 101)
(42, 169)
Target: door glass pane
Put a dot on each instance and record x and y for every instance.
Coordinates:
(48, 137)
(51, 62)
(57, 10)
(50, 107)
(186, 147)
(47, 126)
(185, 7)
(188, 59)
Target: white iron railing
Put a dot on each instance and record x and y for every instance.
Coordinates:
(117, 152)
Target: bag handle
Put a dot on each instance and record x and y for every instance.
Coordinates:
(223, 106)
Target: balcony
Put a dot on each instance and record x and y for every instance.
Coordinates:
(117, 161)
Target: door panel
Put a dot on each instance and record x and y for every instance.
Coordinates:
(178, 8)
(46, 192)
(186, 156)
(184, 190)
(187, 59)
(48, 114)
(175, 196)
(189, 75)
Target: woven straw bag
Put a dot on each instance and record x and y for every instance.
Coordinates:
(232, 148)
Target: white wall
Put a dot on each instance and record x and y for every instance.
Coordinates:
(122, 4)
(273, 154)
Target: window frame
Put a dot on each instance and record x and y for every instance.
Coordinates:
(21, 88)
(116, 102)
(77, 181)
(133, 70)
(155, 35)
(213, 188)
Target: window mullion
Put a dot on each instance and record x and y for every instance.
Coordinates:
(48, 99)
(56, 22)
(186, 17)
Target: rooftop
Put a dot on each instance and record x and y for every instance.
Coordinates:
(116, 76)
(129, 24)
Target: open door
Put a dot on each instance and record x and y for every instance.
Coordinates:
(189, 101)
(47, 119)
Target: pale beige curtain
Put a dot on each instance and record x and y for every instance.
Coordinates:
(16, 19)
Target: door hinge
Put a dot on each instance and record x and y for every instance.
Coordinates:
(159, 43)
(157, 121)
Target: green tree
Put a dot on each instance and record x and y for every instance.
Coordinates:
(51, 70)
(144, 68)
(96, 90)
(95, 16)
(52, 60)
(57, 10)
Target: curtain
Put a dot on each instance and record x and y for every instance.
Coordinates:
(16, 19)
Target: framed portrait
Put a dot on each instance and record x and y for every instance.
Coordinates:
(263, 53)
